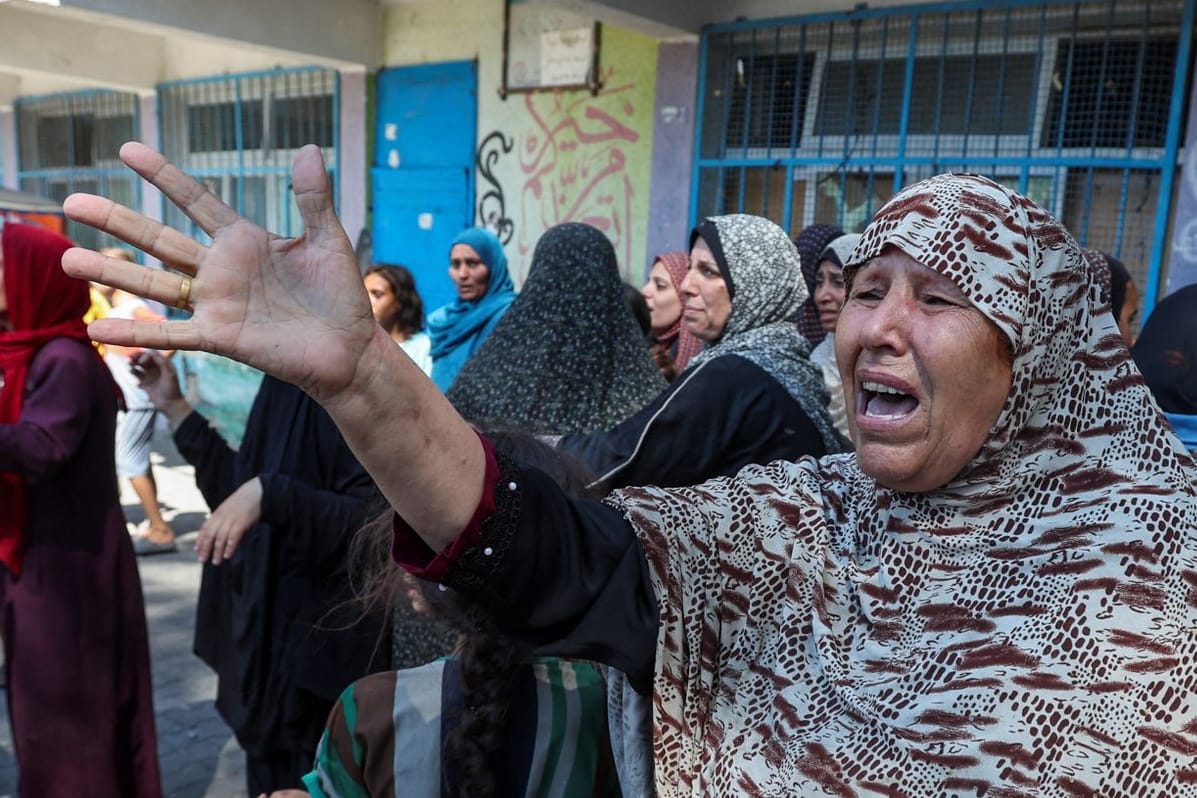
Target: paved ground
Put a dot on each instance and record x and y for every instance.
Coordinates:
(199, 757)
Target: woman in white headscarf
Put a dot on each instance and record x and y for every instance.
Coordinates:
(751, 396)
(993, 595)
(829, 299)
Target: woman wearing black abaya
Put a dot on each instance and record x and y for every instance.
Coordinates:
(273, 618)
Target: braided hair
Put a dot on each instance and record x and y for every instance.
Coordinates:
(488, 658)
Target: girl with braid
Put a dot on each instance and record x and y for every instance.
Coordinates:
(491, 720)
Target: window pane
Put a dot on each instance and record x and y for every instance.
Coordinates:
(213, 127)
(1112, 93)
(296, 121)
(949, 94)
(768, 100)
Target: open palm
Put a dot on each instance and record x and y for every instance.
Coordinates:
(294, 308)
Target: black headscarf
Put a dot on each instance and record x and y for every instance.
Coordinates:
(1119, 278)
(568, 356)
(1166, 352)
(810, 243)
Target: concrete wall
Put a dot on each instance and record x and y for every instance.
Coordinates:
(352, 178)
(345, 30)
(1181, 259)
(580, 157)
(151, 197)
(673, 147)
(8, 148)
(431, 31)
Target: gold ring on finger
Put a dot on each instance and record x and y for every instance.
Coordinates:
(184, 300)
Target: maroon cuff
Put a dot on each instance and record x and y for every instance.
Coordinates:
(412, 554)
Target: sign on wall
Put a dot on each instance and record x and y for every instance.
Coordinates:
(547, 48)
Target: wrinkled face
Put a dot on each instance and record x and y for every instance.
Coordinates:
(925, 373)
(383, 301)
(1129, 313)
(829, 293)
(468, 272)
(706, 303)
(664, 304)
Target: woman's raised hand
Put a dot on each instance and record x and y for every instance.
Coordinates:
(296, 309)
(292, 307)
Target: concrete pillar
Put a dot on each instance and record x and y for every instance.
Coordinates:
(673, 145)
(1181, 257)
(8, 147)
(352, 169)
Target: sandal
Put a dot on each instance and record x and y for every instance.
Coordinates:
(143, 545)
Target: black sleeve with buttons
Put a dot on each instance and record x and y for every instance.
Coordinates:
(565, 576)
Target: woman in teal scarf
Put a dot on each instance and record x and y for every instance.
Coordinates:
(478, 268)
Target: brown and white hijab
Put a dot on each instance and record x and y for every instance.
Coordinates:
(1028, 629)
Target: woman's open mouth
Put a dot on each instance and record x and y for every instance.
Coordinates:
(884, 402)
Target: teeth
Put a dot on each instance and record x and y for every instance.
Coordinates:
(876, 387)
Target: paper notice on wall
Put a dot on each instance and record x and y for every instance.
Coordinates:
(566, 56)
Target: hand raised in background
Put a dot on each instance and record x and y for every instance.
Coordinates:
(292, 307)
(296, 309)
(222, 532)
(157, 377)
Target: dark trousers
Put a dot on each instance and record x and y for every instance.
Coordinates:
(277, 770)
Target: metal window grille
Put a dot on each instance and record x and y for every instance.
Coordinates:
(1079, 105)
(238, 135)
(69, 142)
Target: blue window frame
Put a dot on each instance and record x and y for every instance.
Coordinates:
(238, 135)
(1079, 105)
(69, 142)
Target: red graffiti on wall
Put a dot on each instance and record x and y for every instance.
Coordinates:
(574, 164)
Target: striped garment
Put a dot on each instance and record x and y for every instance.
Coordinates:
(388, 729)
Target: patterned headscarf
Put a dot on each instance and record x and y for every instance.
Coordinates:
(688, 345)
(1025, 629)
(839, 250)
(43, 304)
(568, 356)
(1099, 272)
(459, 328)
(768, 292)
(810, 244)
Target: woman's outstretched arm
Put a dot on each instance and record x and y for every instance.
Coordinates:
(296, 309)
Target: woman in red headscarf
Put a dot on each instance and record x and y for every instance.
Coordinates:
(673, 345)
(73, 618)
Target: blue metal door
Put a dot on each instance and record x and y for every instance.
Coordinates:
(423, 176)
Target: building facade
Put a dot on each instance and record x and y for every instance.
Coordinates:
(521, 114)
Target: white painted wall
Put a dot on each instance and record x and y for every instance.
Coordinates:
(68, 48)
(353, 167)
(8, 147)
(151, 197)
(345, 30)
(432, 31)
(48, 50)
(669, 18)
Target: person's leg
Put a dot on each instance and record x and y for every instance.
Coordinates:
(134, 430)
(147, 493)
